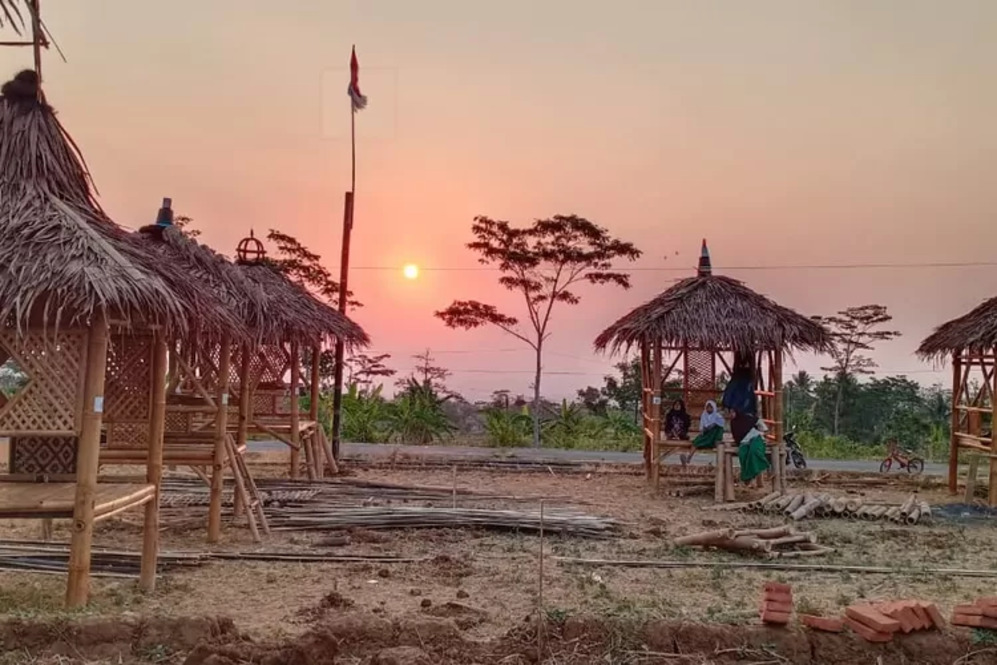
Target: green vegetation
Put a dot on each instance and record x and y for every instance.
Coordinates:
(847, 414)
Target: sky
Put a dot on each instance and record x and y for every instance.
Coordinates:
(786, 132)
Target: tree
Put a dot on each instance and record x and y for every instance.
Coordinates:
(799, 400)
(543, 262)
(853, 331)
(594, 401)
(363, 369)
(626, 391)
(427, 373)
(301, 265)
(185, 225)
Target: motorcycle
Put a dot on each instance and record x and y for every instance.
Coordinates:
(794, 453)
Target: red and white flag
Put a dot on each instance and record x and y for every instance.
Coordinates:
(357, 99)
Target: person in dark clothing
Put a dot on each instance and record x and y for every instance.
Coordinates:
(739, 395)
(677, 422)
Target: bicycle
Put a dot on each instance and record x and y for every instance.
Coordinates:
(905, 459)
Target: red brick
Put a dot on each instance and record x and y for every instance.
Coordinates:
(872, 618)
(987, 600)
(934, 614)
(866, 633)
(780, 618)
(782, 598)
(908, 619)
(968, 610)
(781, 608)
(974, 621)
(778, 587)
(826, 624)
(922, 615)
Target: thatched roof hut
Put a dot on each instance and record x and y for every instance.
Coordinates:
(294, 314)
(236, 299)
(974, 332)
(62, 259)
(715, 312)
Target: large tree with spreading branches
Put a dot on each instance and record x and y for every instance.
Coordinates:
(544, 262)
(854, 331)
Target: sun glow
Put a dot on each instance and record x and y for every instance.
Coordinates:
(411, 271)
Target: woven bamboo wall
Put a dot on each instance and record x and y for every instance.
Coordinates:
(50, 403)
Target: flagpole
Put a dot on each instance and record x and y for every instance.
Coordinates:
(344, 275)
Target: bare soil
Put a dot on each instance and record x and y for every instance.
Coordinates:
(475, 599)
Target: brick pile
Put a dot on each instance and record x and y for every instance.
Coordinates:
(777, 604)
(981, 614)
(879, 622)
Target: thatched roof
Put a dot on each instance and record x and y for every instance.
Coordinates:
(61, 258)
(234, 301)
(715, 312)
(294, 314)
(975, 331)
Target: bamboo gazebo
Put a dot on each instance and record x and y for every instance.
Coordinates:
(971, 342)
(297, 321)
(688, 337)
(69, 283)
(197, 432)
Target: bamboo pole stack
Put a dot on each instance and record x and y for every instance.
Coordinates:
(782, 542)
(809, 505)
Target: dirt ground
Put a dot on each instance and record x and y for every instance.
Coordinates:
(486, 583)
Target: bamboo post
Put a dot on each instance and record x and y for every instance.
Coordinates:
(719, 493)
(954, 440)
(295, 416)
(780, 427)
(645, 404)
(313, 404)
(245, 413)
(78, 586)
(993, 437)
(221, 431)
(154, 465)
(540, 587)
(655, 409)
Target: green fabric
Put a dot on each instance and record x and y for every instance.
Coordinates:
(753, 459)
(710, 438)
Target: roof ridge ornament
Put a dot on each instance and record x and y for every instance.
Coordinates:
(705, 268)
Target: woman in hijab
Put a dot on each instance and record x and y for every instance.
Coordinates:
(739, 395)
(677, 422)
(748, 432)
(711, 427)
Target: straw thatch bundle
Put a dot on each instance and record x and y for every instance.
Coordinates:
(61, 258)
(294, 314)
(715, 312)
(236, 299)
(975, 331)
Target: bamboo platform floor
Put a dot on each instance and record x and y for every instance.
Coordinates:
(55, 500)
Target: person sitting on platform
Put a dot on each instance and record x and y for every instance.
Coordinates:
(711, 430)
(711, 427)
(748, 432)
(677, 422)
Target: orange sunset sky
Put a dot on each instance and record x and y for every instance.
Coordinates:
(787, 132)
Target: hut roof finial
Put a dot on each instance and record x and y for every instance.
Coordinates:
(165, 216)
(705, 269)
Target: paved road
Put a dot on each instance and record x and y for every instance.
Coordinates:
(384, 449)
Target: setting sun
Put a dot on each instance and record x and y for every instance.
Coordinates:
(411, 271)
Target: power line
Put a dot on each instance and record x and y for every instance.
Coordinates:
(828, 266)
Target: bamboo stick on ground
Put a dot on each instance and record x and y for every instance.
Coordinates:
(705, 538)
(775, 532)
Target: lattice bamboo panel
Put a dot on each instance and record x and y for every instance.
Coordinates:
(128, 434)
(128, 388)
(700, 370)
(51, 399)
